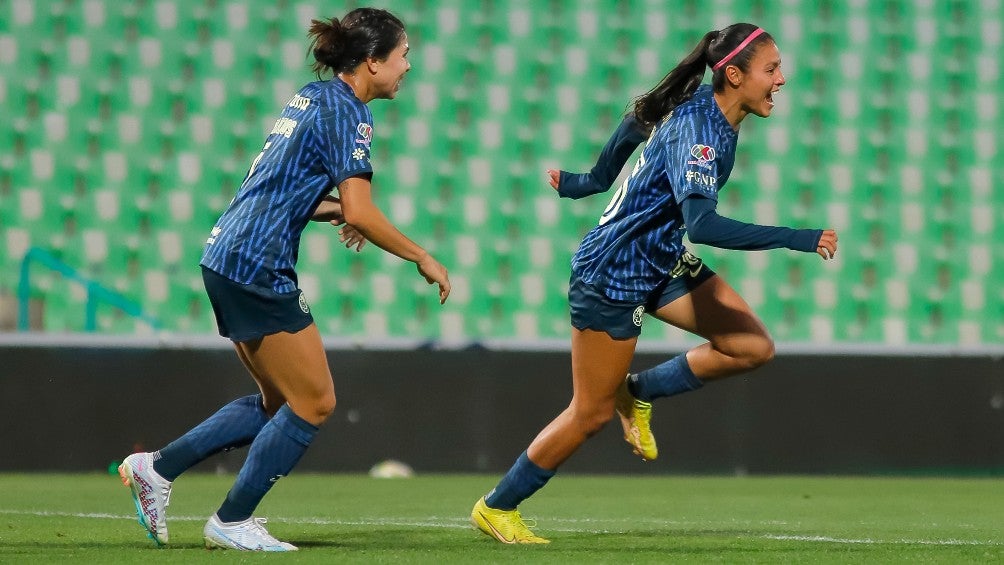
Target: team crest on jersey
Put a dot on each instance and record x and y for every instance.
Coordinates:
(703, 155)
(366, 133)
(703, 152)
(636, 316)
(303, 304)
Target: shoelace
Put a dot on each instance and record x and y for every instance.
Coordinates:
(529, 523)
(257, 525)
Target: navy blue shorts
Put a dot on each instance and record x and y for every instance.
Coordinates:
(246, 312)
(591, 309)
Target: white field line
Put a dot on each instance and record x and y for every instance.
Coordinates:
(868, 541)
(462, 523)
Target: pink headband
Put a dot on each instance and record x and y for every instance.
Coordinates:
(742, 46)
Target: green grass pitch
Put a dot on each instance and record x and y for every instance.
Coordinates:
(54, 518)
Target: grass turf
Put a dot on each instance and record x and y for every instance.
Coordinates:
(590, 519)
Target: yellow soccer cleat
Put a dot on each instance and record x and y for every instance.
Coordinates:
(636, 418)
(507, 526)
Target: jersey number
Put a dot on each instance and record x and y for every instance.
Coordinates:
(618, 197)
(254, 164)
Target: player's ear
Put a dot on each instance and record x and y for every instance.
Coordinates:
(734, 75)
(373, 65)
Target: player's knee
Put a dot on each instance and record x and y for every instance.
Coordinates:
(759, 351)
(325, 406)
(316, 409)
(592, 420)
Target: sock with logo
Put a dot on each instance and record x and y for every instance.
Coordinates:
(522, 480)
(273, 454)
(668, 379)
(234, 425)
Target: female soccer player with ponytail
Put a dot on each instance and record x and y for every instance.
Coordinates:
(634, 261)
(320, 142)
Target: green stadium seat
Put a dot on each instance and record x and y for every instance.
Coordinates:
(64, 304)
(124, 174)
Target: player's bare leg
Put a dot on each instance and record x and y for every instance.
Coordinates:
(292, 368)
(737, 339)
(271, 398)
(599, 363)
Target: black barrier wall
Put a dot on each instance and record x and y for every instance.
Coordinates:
(80, 409)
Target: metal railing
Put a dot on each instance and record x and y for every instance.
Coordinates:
(96, 292)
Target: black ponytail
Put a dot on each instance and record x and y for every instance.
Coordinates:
(680, 84)
(340, 46)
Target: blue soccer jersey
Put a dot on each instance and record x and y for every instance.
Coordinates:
(639, 238)
(321, 138)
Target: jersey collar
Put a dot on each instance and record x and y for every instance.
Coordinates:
(705, 98)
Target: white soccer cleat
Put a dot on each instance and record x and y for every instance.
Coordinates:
(150, 492)
(249, 535)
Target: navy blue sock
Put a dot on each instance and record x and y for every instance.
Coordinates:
(234, 425)
(670, 378)
(522, 480)
(273, 454)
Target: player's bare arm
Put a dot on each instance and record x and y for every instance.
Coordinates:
(329, 210)
(362, 214)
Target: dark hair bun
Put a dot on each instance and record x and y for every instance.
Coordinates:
(340, 45)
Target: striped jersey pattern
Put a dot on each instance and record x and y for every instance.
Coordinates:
(321, 138)
(639, 237)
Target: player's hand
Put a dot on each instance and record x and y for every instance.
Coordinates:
(435, 272)
(553, 177)
(827, 246)
(349, 235)
(329, 210)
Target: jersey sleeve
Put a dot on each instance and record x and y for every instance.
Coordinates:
(692, 159)
(346, 134)
(628, 136)
(705, 226)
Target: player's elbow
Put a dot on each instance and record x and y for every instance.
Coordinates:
(596, 182)
(355, 216)
(698, 234)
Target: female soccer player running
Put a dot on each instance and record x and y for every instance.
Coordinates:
(321, 141)
(634, 261)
